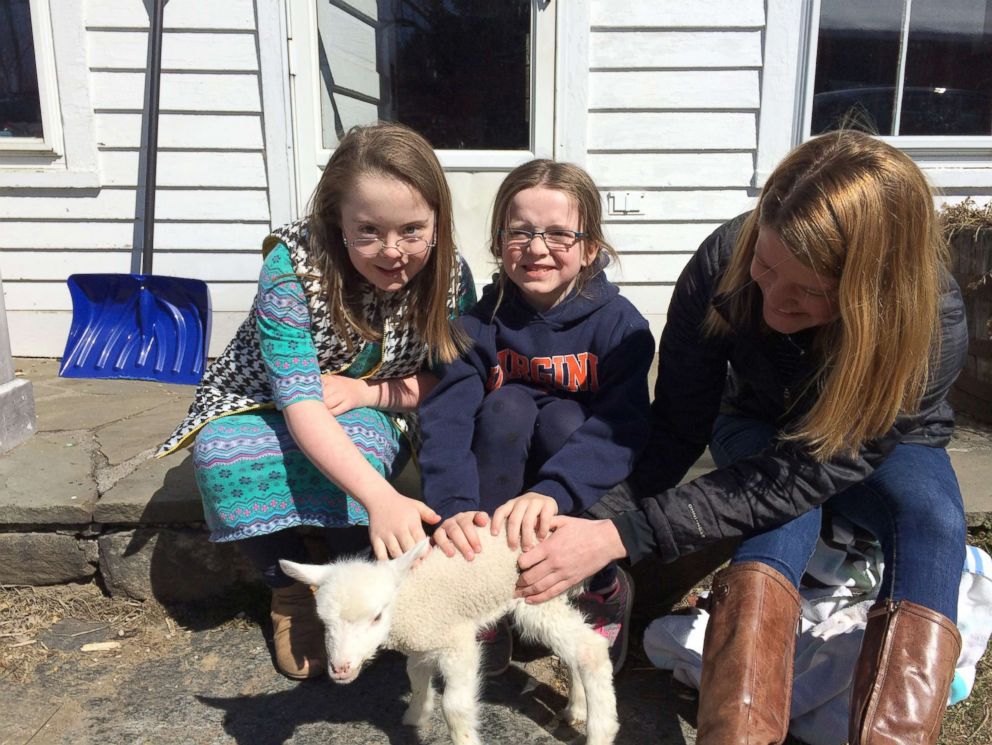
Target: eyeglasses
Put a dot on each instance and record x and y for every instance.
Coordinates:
(410, 245)
(555, 240)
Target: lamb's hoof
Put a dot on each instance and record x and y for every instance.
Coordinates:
(574, 716)
(417, 718)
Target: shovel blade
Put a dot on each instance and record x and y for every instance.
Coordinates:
(137, 327)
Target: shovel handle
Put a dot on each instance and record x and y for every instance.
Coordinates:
(154, 79)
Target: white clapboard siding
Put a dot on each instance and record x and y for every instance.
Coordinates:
(224, 296)
(212, 206)
(186, 131)
(128, 50)
(672, 206)
(207, 92)
(110, 204)
(186, 14)
(675, 49)
(206, 170)
(648, 267)
(649, 298)
(671, 170)
(677, 237)
(677, 13)
(674, 89)
(43, 333)
(58, 265)
(44, 234)
(680, 130)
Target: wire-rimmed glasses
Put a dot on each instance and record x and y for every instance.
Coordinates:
(409, 245)
(555, 239)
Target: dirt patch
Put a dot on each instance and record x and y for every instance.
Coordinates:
(51, 626)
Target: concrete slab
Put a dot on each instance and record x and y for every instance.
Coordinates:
(49, 480)
(122, 439)
(92, 411)
(160, 490)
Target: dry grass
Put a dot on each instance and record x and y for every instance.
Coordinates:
(27, 612)
(965, 216)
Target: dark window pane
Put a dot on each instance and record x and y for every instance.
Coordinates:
(948, 88)
(857, 61)
(457, 71)
(20, 109)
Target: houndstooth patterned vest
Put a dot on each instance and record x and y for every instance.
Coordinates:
(237, 381)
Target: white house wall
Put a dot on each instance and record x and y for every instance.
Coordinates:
(674, 94)
(212, 202)
(671, 97)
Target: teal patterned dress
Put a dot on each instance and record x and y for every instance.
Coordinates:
(253, 478)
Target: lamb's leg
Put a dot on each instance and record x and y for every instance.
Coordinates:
(459, 702)
(561, 627)
(419, 669)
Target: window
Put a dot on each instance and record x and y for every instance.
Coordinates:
(29, 118)
(476, 77)
(20, 109)
(904, 68)
(916, 72)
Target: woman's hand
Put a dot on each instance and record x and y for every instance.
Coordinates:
(342, 394)
(527, 518)
(577, 548)
(459, 532)
(396, 525)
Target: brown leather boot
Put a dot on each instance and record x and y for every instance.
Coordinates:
(903, 675)
(297, 633)
(750, 645)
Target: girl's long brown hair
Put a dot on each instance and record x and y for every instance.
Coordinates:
(860, 212)
(392, 151)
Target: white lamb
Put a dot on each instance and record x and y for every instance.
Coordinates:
(432, 610)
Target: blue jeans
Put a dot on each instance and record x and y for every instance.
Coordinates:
(911, 504)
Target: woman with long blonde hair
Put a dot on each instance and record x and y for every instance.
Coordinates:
(810, 344)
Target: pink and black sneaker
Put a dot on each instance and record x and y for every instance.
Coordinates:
(609, 614)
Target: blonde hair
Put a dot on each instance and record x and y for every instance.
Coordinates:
(568, 179)
(390, 151)
(860, 212)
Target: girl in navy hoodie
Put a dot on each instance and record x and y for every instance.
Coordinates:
(549, 407)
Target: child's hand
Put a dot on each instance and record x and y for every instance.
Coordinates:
(527, 518)
(459, 532)
(342, 394)
(396, 525)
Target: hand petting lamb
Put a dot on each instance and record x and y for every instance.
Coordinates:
(432, 610)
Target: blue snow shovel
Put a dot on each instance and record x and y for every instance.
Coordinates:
(140, 326)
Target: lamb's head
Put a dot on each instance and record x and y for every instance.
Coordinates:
(355, 602)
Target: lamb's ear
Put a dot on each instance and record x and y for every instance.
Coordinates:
(402, 564)
(308, 574)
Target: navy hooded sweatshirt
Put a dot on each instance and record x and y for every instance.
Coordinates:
(593, 347)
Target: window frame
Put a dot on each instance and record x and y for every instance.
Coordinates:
(790, 67)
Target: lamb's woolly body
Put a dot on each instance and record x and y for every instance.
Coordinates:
(441, 595)
(432, 611)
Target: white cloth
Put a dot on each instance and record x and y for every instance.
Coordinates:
(832, 624)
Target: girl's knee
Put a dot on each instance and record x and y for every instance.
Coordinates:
(510, 401)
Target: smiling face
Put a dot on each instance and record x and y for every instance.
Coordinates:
(794, 296)
(544, 277)
(388, 209)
